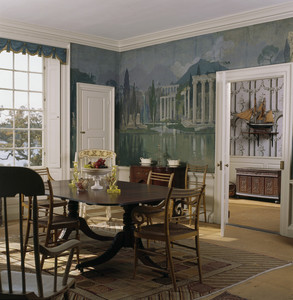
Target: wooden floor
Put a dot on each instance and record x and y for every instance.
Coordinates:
(256, 214)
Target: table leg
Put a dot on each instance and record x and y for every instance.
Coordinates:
(83, 226)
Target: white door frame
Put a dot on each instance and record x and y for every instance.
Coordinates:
(222, 158)
(80, 87)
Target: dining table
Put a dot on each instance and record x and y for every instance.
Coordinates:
(131, 195)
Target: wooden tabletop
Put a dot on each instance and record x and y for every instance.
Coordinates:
(131, 193)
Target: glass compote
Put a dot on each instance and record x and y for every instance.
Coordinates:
(97, 174)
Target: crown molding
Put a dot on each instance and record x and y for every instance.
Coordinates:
(50, 36)
(268, 14)
(60, 38)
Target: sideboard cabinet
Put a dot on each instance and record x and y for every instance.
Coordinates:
(140, 174)
(259, 183)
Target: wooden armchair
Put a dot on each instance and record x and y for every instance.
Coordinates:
(155, 209)
(173, 227)
(19, 280)
(49, 219)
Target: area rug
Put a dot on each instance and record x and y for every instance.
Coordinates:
(221, 267)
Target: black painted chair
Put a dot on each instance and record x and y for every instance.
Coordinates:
(19, 280)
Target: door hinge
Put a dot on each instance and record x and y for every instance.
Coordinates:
(282, 165)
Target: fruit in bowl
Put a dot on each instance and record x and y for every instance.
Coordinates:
(99, 164)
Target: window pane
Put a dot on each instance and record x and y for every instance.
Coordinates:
(6, 79)
(36, 157)
(20, 62)
(36, 138)
(6, 138)
(21, 100)
(6, 59)
(21, 119)
(6, 99)
(21, 109)
(6, 158)
(36, 101)
(36, 119)
(36, 82)
(35, 63)
(21, 138)
(21, 158)
(20, 81)
(6, 118)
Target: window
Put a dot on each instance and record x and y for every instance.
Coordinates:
(22, 114)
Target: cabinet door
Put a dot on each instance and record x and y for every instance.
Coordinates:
(257, 185)
(139, 174)
(271, 186)
(244, 184)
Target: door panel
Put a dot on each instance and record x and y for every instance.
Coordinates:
(95, 115)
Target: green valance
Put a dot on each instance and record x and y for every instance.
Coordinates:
(33, 49)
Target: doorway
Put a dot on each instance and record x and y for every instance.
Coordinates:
(223, 141)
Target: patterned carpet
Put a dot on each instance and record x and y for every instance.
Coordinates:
(221, 267)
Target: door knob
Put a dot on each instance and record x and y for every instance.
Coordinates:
(82, 132)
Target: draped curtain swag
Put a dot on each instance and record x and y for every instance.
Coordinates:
(33, 49)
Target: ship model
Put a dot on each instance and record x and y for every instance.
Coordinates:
(257, 117)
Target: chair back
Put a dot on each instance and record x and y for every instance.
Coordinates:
(175, 204)
(195, 175)
(160, 178)
(19, 181)
(25, 280)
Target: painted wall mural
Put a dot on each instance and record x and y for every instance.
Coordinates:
(165, 94)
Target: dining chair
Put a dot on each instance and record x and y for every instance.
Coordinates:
(92, 155)
(51, 219)
(44, 202)
(172, 228)
(21, 279)
(154, 209)
(195, 175)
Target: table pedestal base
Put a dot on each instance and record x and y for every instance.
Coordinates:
(123, 238)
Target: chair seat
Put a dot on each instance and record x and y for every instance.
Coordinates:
(45, 203)
(31, 284)
(156, 231)
(58, 221)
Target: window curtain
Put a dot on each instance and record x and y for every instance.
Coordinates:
(33, 49)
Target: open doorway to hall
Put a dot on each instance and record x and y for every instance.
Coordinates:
(256, 135)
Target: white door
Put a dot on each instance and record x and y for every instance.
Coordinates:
(95, 116)
(224, 80)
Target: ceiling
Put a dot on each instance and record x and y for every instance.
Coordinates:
(124, 20)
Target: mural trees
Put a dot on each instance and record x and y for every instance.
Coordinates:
(267, 55)
(152, 101)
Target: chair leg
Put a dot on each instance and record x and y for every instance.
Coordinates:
(204, 207)
(135, 257)
(77, 236)
(198, 258)
(27, 233)
(170, 264)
